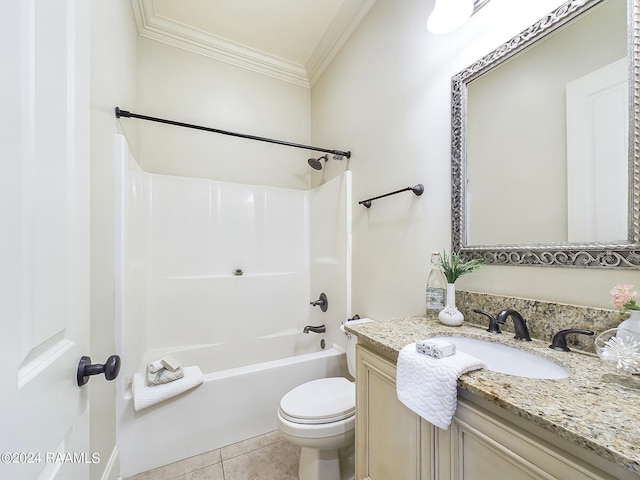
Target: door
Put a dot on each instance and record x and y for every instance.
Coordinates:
(597, 155)
(44, 239)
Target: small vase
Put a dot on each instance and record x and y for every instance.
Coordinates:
(633, 322)
(450, 315)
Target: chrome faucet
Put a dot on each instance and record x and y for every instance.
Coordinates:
(522, 332)
(311, 328)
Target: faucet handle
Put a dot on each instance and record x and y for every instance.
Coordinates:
(322, 302)
(493, 324)
(559, 341)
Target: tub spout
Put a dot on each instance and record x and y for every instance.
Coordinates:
(311, 328)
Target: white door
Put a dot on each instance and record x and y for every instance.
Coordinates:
(44, 238)
(597, 155)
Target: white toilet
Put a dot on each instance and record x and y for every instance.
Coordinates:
(320, 417)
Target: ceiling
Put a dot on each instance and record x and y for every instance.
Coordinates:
(292, 40)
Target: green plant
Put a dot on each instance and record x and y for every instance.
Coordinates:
(453, 266)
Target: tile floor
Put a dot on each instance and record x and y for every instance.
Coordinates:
(266, 457)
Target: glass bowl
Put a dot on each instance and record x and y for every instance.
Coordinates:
(620, 346)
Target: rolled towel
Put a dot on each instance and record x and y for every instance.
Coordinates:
(436, 348)
(154, 367)
(163, 376)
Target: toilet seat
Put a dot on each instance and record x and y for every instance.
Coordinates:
(320, 401)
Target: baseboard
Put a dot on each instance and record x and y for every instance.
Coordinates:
(112, 469)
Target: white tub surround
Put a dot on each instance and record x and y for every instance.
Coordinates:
(220, 276)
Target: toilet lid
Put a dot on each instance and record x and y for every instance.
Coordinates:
(320, 401)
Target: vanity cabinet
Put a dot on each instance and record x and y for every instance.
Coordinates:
(392, 442)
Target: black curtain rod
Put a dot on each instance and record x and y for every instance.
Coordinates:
(418, 190)
(126, 114)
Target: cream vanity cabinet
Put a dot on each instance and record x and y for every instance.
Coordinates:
(393, 443)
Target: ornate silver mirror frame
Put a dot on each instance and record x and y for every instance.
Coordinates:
(623, 255)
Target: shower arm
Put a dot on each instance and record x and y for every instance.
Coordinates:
(127, 114)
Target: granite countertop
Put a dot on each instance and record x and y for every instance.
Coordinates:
(592, 408)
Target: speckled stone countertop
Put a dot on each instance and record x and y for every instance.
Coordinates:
(593, 408)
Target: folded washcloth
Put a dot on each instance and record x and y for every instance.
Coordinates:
(163, 376)
(436, 347)
(145, 396)
(428, 386)
(154, 367)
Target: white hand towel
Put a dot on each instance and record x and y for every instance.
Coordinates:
(428, 386)
(144, 396)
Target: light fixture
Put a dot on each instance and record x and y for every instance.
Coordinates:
(449, 15)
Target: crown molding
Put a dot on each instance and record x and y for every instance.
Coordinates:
(345, 22)
(155, 27)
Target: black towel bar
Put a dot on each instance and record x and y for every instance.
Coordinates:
(418, 190)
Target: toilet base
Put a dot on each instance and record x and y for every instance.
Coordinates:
(318, 464)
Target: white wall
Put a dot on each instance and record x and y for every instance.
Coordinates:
(182, 86)
(113, 80)
(386, 97)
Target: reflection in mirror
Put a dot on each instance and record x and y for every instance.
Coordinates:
(544, 167)
(517, 134)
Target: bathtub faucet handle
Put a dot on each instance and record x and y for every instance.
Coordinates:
(311, 328)
(322, 302)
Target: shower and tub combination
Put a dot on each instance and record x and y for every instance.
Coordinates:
(222, 276)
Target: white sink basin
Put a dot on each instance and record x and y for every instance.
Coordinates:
(509, 360)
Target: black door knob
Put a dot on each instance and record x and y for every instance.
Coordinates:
(110, 368)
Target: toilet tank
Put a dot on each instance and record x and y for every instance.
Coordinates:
(352, 340)
(351, 355)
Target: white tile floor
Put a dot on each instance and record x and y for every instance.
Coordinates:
(266, 457)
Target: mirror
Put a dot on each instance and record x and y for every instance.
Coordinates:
(545, 143)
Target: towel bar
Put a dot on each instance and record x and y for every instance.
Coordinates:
(417, 189)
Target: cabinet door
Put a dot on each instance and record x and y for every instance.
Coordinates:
(388, 436)
(483, 446)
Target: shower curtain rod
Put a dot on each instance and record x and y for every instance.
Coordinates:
(126, 114)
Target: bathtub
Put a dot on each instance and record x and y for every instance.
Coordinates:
(238, 399)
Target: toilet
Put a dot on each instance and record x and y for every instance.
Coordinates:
(320, 417)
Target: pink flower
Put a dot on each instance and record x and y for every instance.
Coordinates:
(623, 296)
